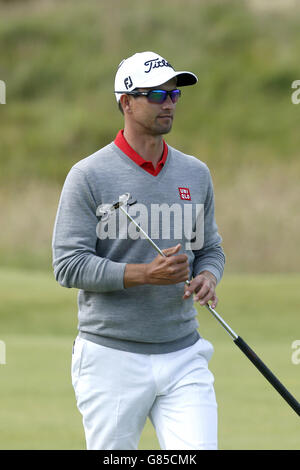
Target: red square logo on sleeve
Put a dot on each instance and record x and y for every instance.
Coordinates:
(184, 194)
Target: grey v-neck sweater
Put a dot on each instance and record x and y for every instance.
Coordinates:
(176, 206)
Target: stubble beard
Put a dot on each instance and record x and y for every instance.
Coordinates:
(156, 127)
(160, 128)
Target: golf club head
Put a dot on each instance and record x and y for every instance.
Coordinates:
(105, 211)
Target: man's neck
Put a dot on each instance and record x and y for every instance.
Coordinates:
(149, 147)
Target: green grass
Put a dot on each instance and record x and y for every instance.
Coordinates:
(38, 325)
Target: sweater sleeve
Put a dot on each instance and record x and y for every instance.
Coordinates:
(211, 256)
(75, 262)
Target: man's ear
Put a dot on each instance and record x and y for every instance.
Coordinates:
(125, 103)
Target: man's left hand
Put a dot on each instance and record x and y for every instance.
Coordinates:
(203, 287)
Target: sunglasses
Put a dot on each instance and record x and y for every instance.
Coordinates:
(157, 96)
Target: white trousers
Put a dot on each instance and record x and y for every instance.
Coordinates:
(116, 391)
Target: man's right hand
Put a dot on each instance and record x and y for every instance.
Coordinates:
(163, 270)
(168, 270)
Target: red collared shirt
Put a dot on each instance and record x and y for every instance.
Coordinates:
(123, 145)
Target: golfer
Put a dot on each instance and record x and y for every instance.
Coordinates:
(138, 352)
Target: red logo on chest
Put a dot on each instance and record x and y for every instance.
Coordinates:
(185, 194)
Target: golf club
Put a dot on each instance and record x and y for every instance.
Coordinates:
(106, 210)
(259, 364)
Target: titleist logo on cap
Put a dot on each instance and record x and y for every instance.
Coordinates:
(156, 63)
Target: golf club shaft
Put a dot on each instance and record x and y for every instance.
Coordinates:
(226, 327)
(143, 232)
(146, 236)
(259, 364)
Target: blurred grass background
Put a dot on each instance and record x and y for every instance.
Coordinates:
(58, 59)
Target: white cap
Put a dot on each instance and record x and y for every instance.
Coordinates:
(147, 70)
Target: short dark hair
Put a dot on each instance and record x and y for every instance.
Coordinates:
(120, 107)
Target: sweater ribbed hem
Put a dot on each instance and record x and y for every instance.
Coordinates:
(142, 348)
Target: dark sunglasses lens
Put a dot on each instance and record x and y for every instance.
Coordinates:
(157, 96)
(175, 94)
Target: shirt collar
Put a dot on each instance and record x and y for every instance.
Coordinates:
(123, 145)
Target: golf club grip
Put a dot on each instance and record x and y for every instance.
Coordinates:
(268, 374)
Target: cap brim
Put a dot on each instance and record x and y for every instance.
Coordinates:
(186, 78)
(183, 79)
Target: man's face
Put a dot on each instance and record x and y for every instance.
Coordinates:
(153, 118)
